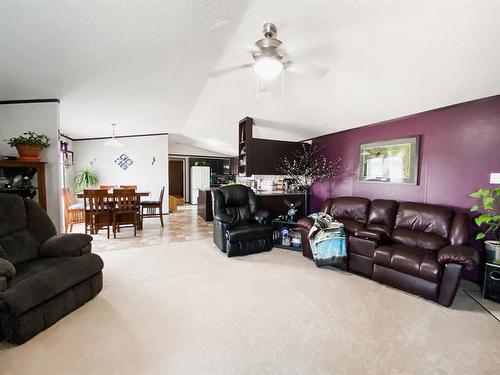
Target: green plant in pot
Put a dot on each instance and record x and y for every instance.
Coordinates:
(85, 178)
(489, 220)
(29, 145)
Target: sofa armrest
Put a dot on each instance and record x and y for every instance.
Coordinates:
(224, 218)
(67, 245)
(373, 235)
(306, 223)
(7, 271)
(464, 255)
(261, 217)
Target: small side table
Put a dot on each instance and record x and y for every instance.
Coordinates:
(279, 224)
(491, 286)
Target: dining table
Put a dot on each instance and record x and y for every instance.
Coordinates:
(138, 195)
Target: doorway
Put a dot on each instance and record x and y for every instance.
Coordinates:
(176, 178)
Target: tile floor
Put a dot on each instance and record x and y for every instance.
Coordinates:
(183, 225)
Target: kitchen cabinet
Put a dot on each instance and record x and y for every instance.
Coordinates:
(258, 156)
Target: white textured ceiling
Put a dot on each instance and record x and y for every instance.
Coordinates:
(146, 64)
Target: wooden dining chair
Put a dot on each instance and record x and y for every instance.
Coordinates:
(74, 213)
(127, 187)
(126, 212)
(98, 207)
(153, 208)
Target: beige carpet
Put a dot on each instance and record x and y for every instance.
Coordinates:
(185, 308)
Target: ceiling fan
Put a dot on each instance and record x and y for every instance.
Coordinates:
(269, 59)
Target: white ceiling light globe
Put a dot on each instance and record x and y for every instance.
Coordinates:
(267, 67)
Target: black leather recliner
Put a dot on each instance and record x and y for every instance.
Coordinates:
(239, 228)
(43, 275)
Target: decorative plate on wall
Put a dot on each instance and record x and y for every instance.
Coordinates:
(123, 161)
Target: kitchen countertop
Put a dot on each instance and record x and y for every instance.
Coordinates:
(276, 192)
(262, 192)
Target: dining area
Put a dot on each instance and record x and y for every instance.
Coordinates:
(111, 208)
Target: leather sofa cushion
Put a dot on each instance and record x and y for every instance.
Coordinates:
(248, 231)
(373, 235)
(459, 232)
(237, 201)
(410, 260)
(425, 218)
(382, 215)
(40, 280)
(350, 208)
(351, 226)
(306, 223)
(464, 255)
(416, 238)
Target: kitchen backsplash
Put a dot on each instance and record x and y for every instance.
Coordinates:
(262, 182)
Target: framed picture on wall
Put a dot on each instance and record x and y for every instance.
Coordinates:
(394, 161)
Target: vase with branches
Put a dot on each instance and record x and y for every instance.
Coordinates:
(308, 165)
(85, 178)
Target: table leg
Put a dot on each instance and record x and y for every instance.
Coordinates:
(139, 224)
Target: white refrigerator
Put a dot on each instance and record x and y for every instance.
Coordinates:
(200, 179)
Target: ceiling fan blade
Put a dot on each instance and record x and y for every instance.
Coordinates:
(230, 69)
(317, 70)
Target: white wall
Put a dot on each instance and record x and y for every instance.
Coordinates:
(147, 176)
(175, 148)
(16, 119)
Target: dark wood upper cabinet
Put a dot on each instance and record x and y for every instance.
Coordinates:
(259, 156)
(218, 166)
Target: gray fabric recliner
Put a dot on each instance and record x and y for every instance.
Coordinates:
(43, 276)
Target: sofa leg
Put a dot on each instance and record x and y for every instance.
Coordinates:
(449, 284)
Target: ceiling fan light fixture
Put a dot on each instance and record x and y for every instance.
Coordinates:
(267, 67)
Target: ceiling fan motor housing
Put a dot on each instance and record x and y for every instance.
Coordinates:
(269, 30)
(268, 45)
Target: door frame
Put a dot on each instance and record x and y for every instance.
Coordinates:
(185, 178)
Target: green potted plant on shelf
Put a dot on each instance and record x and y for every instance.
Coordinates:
(85, 178)
(29, 145)
(490, 219)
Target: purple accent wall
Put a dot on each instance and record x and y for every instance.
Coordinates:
(460, 147)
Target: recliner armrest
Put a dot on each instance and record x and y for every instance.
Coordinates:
(464, 255)
(373, 235)
(67, 245)
(261, 217)
(224, 218)
(306, 223)
(7, 271)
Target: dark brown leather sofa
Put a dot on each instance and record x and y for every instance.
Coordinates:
(419, 248)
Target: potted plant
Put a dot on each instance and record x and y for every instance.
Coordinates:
(29, 145)
(490, 219)
(85, 178)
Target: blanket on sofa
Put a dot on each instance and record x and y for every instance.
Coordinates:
(327, 240)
